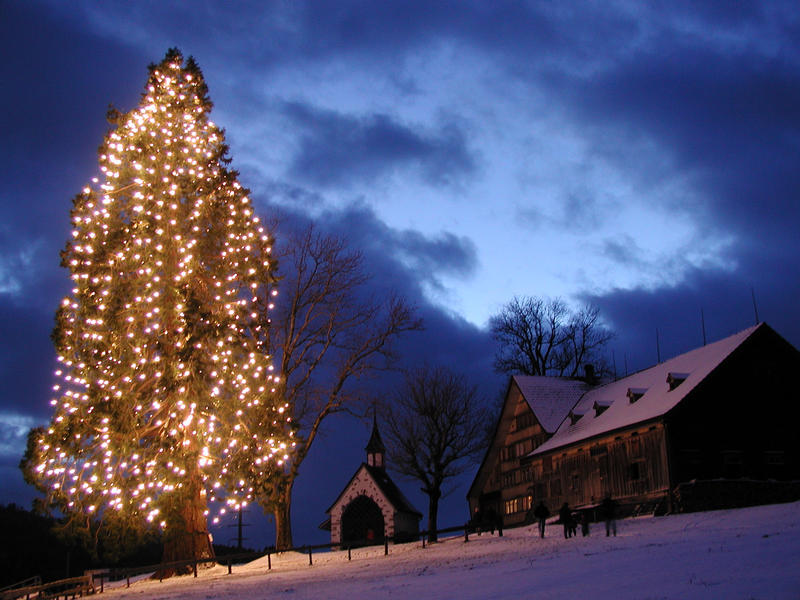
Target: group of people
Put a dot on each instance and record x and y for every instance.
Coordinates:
(571, 520)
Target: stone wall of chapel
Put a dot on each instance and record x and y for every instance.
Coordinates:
(362, 485)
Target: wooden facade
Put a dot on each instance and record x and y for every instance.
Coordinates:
(728, 410)
(503, 485)
(631, 466)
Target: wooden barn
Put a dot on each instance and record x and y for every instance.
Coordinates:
(371, 507)
(722, 411)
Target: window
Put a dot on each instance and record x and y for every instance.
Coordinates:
(555, 488)
(508, 453)
(775, 457)
(523, 421)
(524, 447)
(635, 445)
(674, 379)
(634, 472)
(547, 464)
(599, 450)
(510, 478)
(518, 504)
(635, 393)
(526, 474)
(691, 456)
(732, 457)
(576, 482)
(538, 490)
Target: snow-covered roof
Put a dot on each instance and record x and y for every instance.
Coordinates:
(627, 407)
(387, 487)
(550, 398)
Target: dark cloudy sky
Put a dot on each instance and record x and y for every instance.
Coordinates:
(642, 156)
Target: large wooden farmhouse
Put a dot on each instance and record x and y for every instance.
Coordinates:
(726, 410)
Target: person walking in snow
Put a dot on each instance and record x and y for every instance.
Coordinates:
(608, 510)
(584, 523)
(541, 513)
(565, 516)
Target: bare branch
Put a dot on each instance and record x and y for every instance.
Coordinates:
(539, 337)
(435, 430)
(327, 335)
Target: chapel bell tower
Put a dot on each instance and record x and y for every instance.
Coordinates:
(376, 451)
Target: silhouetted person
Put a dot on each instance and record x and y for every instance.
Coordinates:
(608, 510)
(565, 516)
(490, 520)
(584, 523)
(541, 513)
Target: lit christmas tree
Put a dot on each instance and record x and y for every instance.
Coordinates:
(165, 386)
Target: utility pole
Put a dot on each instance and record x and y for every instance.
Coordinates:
(658, 347)
(703, 325)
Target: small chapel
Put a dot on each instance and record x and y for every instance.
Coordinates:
(371, 508)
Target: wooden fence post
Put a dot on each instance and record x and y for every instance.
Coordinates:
(269, 561)
(386, 546)
(310, 562)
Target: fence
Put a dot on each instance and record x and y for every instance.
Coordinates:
(63, 588)
(94, 581)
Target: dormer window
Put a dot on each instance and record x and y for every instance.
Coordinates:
(635, 393)
(674, 379)
(600, 406)
(575, 415)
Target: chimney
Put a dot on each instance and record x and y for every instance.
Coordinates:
(589, 376)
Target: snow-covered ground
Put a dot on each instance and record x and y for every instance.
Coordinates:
(746, 553)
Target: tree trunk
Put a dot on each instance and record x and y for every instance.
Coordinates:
(186, 537)
(433, 514)
(283, 518)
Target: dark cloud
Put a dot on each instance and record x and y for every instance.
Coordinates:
(27, 358)
(721, 298)
(622, 250)
(578, 211)
(402, 260)
(337, 149)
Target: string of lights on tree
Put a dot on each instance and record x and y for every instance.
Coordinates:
(164, 369)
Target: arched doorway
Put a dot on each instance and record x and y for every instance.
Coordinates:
(362, 522)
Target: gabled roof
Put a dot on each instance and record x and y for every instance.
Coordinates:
(387, 488)
(551, 398)
(656, 397)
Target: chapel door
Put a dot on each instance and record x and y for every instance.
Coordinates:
(362, 522)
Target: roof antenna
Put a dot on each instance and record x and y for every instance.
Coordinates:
(755, 306)
(658, 347)
(614, 362)
(703, 325)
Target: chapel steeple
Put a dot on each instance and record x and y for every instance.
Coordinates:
(376, 451)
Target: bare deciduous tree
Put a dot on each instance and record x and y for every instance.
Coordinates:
(327, 334)
(436, 428)
(539, 337)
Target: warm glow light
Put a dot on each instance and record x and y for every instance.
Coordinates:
(159, 378)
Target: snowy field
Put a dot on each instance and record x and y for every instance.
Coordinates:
(746, 553)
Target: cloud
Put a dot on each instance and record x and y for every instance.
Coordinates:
(724, 296)
(14, 429)
(338, 149)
